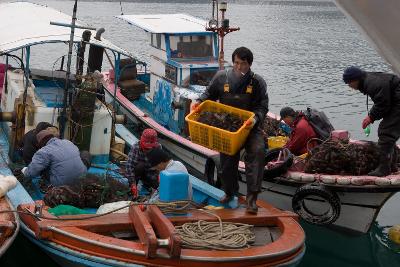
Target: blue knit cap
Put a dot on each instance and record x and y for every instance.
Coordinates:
(352, 74)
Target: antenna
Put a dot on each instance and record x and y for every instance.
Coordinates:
(120, 4)
(221, 27)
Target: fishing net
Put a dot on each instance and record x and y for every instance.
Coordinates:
(342, 158)
(93, 191)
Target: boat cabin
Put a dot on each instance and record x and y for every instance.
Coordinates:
(183, 60)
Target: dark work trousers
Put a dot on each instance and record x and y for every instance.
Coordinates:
(389, 131)
(254, 162)
(141, 174)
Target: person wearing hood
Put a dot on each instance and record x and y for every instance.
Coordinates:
(29, 143)
(138, 166)
(60, 158)
(384, 90)
(302, 131)
(241, 88)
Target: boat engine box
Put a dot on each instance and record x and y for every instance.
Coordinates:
(173, 186)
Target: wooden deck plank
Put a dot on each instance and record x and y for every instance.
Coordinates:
(263, 236)
(275, 233)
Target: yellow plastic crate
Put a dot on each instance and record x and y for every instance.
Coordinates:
(277, 141)
(215, 138)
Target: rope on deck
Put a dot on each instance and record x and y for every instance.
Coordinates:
(216, 235)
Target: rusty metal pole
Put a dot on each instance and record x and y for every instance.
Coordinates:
(221, 29)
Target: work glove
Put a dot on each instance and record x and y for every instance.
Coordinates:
(23, 170)
(250, 123)
(195, 106)
(367, 121)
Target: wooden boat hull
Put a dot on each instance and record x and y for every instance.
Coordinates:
(9, 225)
(75, 236)
(365, 201)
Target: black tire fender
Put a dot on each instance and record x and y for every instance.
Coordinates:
(280, 169)
(320, 191)
(212, 164)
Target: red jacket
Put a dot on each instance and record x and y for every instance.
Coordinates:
(301, 134)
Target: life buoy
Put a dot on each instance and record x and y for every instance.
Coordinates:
(319, 192)
(279, 169)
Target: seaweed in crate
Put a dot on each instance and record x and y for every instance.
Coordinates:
(222, 120)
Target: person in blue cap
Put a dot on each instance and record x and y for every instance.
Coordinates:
(384, 90)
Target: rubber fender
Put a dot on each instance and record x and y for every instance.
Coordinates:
(212, 164)
(279, 169)
(321, 192)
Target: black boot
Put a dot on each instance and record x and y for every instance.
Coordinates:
(226, 199)
(383, 168)
(393, 165)
(251, 203)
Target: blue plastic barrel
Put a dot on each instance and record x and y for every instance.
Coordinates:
(173, 186)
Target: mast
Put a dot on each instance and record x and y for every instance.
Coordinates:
(221, 27)
(67, 93)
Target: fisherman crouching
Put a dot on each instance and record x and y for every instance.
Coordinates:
(60, 158)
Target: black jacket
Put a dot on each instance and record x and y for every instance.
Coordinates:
(259, 96)
(29, 146)
(384, 90)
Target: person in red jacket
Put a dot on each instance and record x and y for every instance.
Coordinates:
(302, 131)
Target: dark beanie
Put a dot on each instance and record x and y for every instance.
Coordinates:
(42, 126)
(43, 137)
(286, 112)
(156, 156)
(352, 74)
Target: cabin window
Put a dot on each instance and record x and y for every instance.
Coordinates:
(193, 46)
(200, 77)
(156, 40)
(170, 73)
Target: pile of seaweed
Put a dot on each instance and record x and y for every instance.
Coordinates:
(222, 120)
(271, 127)
(343, 158)
(92, 192)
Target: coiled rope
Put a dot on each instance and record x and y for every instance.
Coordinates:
(216, 235)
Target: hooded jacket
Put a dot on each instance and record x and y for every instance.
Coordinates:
(62, 160)
(302, 132)
(384, 90)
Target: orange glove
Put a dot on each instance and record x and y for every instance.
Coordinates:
(250, 123)
(195, 106)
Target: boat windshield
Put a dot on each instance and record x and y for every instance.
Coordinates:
(200, 77)
(191, 46)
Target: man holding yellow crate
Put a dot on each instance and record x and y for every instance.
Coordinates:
(241, 88)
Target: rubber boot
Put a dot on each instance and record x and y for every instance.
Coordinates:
(393, 165)
(251, 203)
(383, 168)
(226, 199)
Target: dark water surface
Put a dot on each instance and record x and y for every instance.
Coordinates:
(301, 49)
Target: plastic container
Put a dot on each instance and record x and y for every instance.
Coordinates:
(340, 135)
(215, 138)
(277, 141)
(367, 130)
(173, 186)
